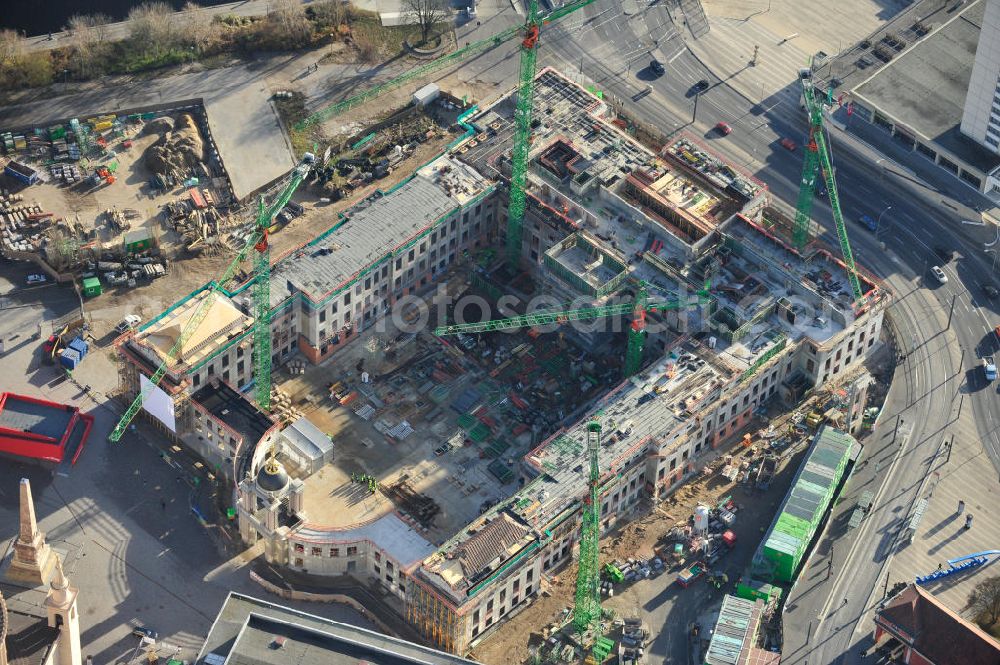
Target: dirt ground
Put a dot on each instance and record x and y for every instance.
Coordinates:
(186, 272)
(637, 539)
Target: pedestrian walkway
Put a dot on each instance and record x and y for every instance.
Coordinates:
(961, 474)
(750, 58)
(787, 34)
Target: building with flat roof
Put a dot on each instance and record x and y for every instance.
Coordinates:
(926, 95)
(248, 630)
(735, 638)
(36, 429)
(979, 119)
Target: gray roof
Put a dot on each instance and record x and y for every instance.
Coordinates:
(246, 628)
(924, 87)
(394, 536)
(27, 415)
(308, 439)
(371, 231)
(734, 631)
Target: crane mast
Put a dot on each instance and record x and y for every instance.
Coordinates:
(587, 601)
(522, 136)
(261, 292)
(817, 159)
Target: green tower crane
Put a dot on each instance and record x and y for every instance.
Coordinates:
(587, 602)
(637, 329)
(261, 297)
(522, 136)
(817, 161)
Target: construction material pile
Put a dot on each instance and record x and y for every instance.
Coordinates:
(281, 407)
(199, 229)
(114, 272)
(180, 148)
(22, 227)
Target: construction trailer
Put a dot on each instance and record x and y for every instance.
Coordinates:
(805, 506)
(92, 287)
(21, 172)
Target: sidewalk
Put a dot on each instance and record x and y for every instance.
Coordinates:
(788, 33)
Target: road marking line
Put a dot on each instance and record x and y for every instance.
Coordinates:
(676, 55)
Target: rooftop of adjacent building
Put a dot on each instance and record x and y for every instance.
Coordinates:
(252, 631)
(916, 617)
(924, 87)
(28, 414)
(733, 636)
(374, 228)
(30, 640)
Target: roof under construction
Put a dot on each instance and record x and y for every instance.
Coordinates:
(658, 405)
(221, 323)
(373, 229)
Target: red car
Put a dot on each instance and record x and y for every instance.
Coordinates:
(724, 128)
(788, 144)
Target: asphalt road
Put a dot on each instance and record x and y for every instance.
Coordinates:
(916, 218)
(921, 217)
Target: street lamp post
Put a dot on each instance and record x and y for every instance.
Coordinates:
(878, 221)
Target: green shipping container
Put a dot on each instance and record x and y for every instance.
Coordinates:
(91, 287)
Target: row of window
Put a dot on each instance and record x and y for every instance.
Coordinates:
(334, 552)
(515, 598)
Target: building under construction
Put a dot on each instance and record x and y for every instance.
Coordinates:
(606, 217)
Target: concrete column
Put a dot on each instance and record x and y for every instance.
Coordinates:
(33, 562)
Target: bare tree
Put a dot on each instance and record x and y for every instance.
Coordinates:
(196, 29)
(151, 27)
(288, 25)
(984, 600)
(329, 15)
(88, 35)
(425, 13)
(11, 47)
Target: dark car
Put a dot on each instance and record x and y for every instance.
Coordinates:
(991, 291)
(656, 67)
(698, 88)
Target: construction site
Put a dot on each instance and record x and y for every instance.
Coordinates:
(449, 354)
(451, 462)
